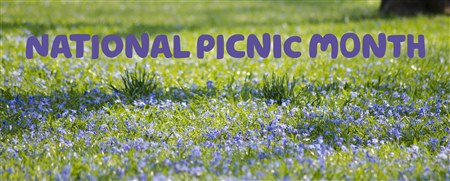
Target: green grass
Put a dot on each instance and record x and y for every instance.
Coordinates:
(186, 108)
(136, 84)
(279, 88)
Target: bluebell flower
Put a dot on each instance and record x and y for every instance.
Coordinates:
(160, 177)
(210, 84)
(433, 142)
(196, 152)
(65, 173)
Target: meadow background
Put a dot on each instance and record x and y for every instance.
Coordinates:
(345, 118)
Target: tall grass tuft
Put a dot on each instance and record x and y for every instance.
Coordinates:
(237, 92)
(6, 93)
(278, 88)
(137, 84)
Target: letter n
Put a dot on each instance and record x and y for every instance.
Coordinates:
(41, 49)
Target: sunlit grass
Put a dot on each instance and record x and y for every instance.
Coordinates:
(358, 118)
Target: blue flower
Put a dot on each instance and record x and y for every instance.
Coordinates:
(433, 142)
(65, 173)
(210, 84)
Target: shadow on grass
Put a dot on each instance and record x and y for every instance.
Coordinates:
(22, 112)
(225, 17)
(22, 106)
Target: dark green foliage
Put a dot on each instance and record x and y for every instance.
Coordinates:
(278, 88)
(137, 84)
(6, 93)
(244, 91)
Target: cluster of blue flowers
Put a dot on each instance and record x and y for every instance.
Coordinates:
(99, 135)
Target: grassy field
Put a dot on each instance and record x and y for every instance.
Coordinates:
(251, 118)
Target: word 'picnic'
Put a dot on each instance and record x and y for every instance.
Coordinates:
(206, 43)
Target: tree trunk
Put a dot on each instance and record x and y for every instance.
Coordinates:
(412, 7)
